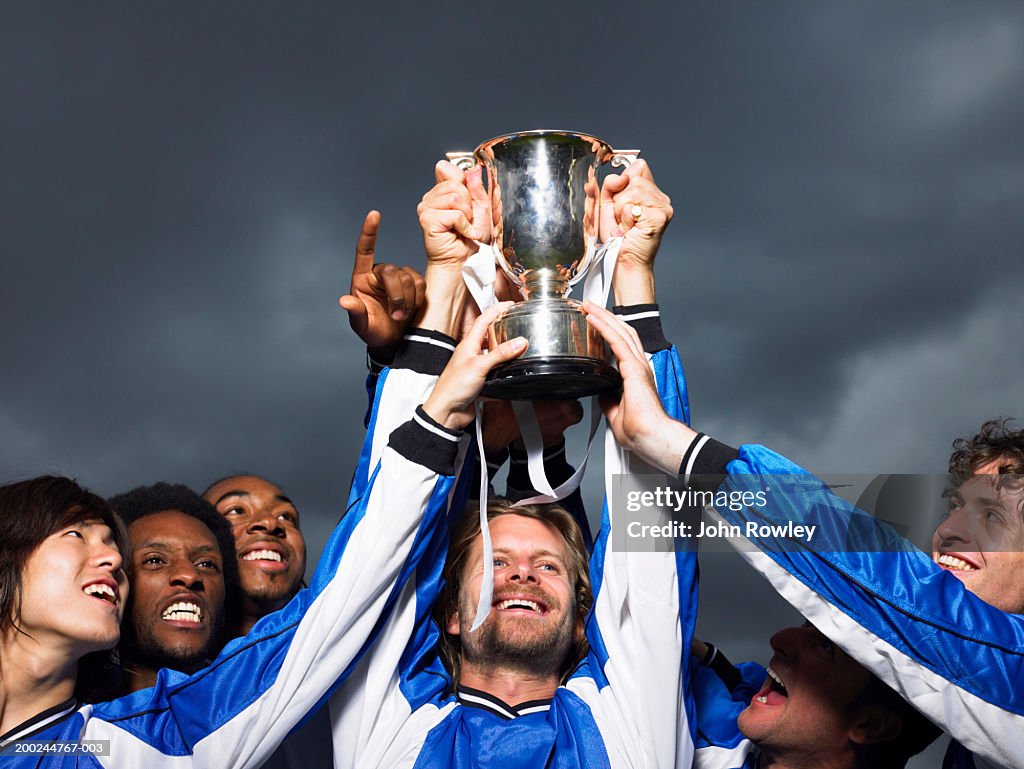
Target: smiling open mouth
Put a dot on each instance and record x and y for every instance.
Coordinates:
(523, 604)
(263, 555)
(953, 563)
(183, 611)
(774, 691)
(102, 591)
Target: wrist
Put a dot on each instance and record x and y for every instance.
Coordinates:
(443, 302)
(633, 282)
(447, 272)
(445, 413)
(663, 443)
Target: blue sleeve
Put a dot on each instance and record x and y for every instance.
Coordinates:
(418, 361)
(718, 742)
(668, 371)
(718, 707)
(956, 658)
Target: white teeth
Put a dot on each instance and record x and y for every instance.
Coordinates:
(100, 590)
(519, 603)
(775, 677)
(762, 700)
(945, 559)
(183, 612)
(262, 555)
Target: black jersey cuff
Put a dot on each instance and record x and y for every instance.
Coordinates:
(425, 442)
(379, 358)
(704, 462)
(424, 351)
(646, 321)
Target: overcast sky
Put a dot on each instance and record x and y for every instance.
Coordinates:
(182, 186)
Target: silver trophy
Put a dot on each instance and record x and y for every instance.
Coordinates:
(545, 208)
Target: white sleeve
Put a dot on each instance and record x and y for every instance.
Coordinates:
(642, 623)
(235, 712)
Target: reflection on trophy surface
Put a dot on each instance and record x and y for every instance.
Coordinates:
(545, 211)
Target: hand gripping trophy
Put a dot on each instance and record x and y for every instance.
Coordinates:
(545, 212)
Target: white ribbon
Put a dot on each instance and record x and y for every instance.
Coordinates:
(526, 416)
(483, 605)
(479, 272)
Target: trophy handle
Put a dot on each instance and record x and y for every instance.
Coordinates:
(462, 160)
(622, 158)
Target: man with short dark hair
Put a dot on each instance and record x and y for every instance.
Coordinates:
(182, 568)
(271, 562)
(268, 539)
(813, 707)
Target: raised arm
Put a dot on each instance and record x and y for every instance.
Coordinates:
(424, 347)
(882, 600)
(645, 602)
(236, 711)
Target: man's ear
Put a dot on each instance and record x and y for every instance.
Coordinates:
(875, 724)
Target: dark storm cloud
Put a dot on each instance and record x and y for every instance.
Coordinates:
(860, 211)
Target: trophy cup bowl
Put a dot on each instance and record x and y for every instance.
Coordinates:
(545, 208)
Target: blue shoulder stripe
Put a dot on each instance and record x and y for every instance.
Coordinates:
(360, 478)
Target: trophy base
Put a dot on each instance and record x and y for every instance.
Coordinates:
(551, 378)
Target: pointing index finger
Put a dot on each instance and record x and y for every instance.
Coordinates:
(366, 244)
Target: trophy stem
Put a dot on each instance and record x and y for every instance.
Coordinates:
(544, 282)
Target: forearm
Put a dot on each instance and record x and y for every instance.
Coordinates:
(633, 283)
(665, 437)
(444, 301)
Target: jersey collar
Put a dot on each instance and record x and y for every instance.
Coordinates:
(38, 722)
(474, 698)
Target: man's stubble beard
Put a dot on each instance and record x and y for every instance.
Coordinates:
(144, 649)
(517, 647)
